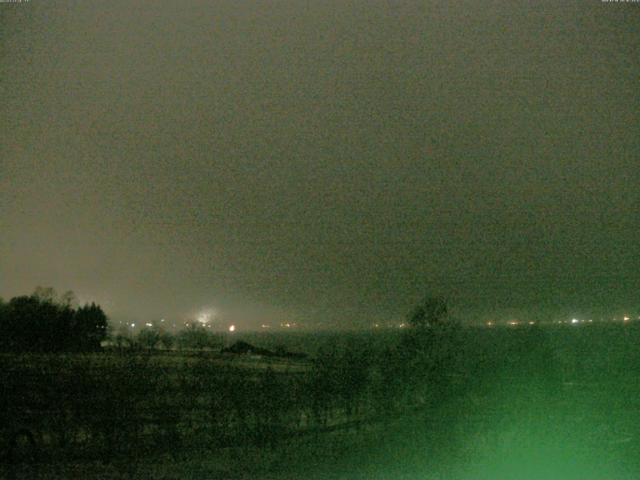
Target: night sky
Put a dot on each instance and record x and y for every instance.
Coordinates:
(326, 162)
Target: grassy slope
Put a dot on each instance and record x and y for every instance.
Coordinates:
(506, 426)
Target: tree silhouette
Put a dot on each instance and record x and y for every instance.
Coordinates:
(33, 324)
(45, 294)
(430, 347)
(68, 299)
(89, 327)
(39, 323)
(430, 312)
(198, 337)
(148, 337)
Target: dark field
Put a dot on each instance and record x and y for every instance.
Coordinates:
(530, 403)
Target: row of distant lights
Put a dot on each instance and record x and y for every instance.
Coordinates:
(232, 328)
(574, 321)
(400, 325)
(282, 325)
(148, 324)
(511, 323)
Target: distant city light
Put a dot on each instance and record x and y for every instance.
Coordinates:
(133, 325)
(626, 318)
(232, 328)
(206, 316)
(574, 321)
(148, 324)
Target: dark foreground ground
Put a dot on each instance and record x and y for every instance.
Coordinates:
(574, 414)
(573, 438)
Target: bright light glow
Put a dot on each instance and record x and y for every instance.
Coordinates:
(575, 320)
(232, 328)
(149, 324)
(133, 325)
(626, 318)
(532, 323)
(206, 316)
(513, 322)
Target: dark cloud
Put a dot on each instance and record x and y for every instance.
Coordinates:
(327, 161)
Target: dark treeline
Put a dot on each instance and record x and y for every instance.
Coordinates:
(44, 322)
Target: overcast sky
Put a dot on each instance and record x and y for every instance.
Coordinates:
(321, 161)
